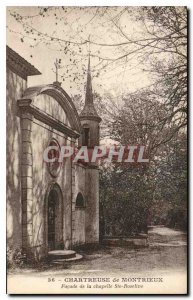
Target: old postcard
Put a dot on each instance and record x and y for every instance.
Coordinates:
(96, 150)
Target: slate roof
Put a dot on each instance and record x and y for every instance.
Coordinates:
(89, 110)
(19, 65)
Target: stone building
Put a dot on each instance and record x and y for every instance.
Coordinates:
(49, 206)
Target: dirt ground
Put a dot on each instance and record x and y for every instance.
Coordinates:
(166, 253)
(163, 260)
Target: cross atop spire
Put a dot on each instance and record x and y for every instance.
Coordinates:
(57, 67)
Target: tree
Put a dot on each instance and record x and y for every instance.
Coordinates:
(132, 196)
(139, 121)
(153, 41)
(157, 45)
(125, 198)
(171, 184)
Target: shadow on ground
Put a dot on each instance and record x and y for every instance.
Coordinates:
(167, 251)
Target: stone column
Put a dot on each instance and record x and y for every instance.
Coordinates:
(73, 143)
(26, 182)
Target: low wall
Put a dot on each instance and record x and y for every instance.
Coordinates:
(140, 240)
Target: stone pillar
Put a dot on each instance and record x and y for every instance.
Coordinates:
(26, 182)
(92, 208)
(73, 141)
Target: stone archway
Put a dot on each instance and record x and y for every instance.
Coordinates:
(54, 218)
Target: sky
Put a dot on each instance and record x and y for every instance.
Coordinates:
(78, 25)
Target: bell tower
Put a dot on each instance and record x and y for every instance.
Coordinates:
(90, 137)
(89, 117)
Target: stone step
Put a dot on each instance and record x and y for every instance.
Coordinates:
(61, 254)
(63, 260)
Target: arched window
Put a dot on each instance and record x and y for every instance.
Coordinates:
(85, 135)
(80, 201)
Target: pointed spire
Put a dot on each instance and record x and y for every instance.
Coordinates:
(89, 94)
(89, 110)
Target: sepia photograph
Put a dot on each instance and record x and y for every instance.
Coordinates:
(96, 150)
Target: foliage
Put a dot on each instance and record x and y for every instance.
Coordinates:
(170, 200)
(125, 198)
(15, 258)
(154, 116)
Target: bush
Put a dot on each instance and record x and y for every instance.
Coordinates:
(15, 258)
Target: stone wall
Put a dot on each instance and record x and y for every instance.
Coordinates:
(85, 221)
(15, 88)
(78, 213)
(29, 180)
(93, 132)
(42, 180)
(92, 206)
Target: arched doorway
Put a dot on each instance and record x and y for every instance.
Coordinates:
(79, 223)
(54, 218)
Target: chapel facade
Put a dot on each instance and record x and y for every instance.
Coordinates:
(49, 206)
